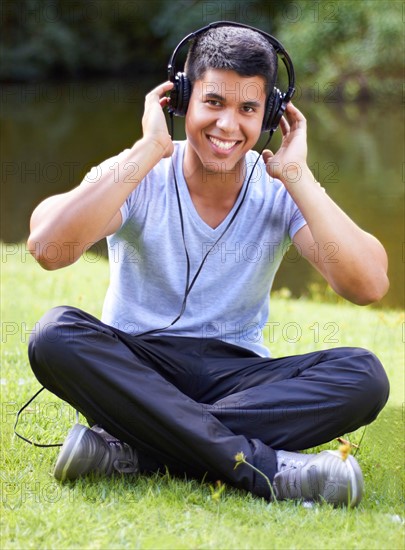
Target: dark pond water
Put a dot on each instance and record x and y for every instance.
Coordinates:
(52, 133)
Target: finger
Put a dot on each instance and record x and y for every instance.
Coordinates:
(164, 87)
(267, 155)
(164, 101)
(294, 115)
(284, 126)
(160, 91)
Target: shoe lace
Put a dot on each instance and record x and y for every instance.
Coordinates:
(126, 463)
(291, 464)
(124, 467)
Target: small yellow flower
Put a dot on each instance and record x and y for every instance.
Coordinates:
(240, 457)
(345, 450)
(346, 447)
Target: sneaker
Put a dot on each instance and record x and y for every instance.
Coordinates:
(93, 450)
(326, 476)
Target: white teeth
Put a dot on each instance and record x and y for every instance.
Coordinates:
(225, 145)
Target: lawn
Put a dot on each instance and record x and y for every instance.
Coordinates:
(160, 511)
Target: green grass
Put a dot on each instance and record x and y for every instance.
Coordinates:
(161, 511)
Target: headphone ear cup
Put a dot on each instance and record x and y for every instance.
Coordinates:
(275, 108)
(180, 95)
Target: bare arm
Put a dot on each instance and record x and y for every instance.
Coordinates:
(75, 220)
(352, 261)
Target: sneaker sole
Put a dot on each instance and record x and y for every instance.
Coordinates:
(68, 451)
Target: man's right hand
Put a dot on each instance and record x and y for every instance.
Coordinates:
(91, 211)
(154, 121)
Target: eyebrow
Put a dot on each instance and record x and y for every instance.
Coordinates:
(218, 97)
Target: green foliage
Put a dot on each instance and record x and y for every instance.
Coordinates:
(49, 38)
(341, 49)
(346, 49)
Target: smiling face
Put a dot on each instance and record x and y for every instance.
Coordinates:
(223, 121)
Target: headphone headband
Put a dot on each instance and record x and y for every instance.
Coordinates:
(279, 48)
(277, 101)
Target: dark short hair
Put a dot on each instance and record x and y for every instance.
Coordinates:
(242, 50)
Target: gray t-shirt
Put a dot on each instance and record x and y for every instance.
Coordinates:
(148, 266)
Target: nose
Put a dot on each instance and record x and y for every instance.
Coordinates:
(228, 121)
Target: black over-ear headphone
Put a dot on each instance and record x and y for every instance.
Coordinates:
(276, 102)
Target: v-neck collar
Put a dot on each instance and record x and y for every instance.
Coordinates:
(187, 201)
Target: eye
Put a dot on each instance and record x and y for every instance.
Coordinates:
(248, 109)
(213, 102)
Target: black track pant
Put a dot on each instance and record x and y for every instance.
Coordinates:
(191, 404)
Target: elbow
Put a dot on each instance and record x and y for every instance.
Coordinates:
(39, 252)
(47, 254)
(371, 292)
(376, 294)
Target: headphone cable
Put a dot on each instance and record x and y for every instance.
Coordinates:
(189, 285)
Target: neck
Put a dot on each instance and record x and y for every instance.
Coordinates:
(213, 184)
(213, 193)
